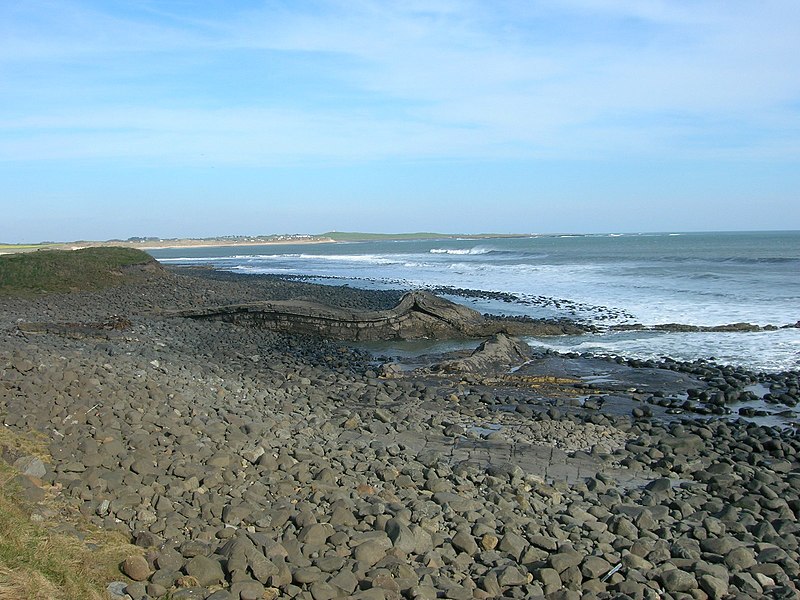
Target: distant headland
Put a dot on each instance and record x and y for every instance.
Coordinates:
(330, 237)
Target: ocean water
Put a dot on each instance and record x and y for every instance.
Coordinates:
(689, 278)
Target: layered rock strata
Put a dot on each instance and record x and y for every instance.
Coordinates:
(419, 315)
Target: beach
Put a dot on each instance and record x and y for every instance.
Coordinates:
(249, 463)
(169, 244)
(375, 300)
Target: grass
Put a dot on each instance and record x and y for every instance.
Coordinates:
(20, 247)
(37, 563)
(33, 443)
(66, 270)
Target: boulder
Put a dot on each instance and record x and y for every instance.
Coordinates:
(498, 353)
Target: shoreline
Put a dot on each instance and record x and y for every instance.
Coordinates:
(299, 239)
(468, 297)
(262, 463)
(169, 244)
(219, 244)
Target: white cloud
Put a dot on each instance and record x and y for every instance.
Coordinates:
(453, 79)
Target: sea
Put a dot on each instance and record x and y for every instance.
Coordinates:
(702, 279)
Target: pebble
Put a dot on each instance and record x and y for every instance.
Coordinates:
(303, 474)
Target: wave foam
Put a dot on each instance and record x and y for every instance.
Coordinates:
(461, 251)
(374, 259)
(771, 351)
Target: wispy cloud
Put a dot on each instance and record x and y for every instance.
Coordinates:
(351, 81)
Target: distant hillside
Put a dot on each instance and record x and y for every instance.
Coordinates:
(15, 248)
(70, 270)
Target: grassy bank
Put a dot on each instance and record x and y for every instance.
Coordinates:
(67, 270)
(36, 561)
(13, 248)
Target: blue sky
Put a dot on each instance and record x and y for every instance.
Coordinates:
(179, 118)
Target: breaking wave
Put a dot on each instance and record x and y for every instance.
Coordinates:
(462, 251)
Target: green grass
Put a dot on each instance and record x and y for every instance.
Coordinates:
(67, 270)
(12, 247)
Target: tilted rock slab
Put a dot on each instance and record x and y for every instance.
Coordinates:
(497, 354)
(418, 315)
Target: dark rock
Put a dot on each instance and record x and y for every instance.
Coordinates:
(464, 542)
(514, 544)
(676, 580)
(715, 588)
(564, 560)
(136, 568)
(495, 354)
(205, 570)
(511, 576)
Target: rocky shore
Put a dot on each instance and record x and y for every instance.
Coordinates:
(251, 464)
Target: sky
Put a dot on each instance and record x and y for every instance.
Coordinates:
(175, 118)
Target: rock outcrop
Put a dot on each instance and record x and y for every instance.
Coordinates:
(418, 315)
(497, 354)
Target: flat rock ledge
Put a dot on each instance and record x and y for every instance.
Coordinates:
(418, 315)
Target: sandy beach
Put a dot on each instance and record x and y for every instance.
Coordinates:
(252, 464)
(222, 243)
(167, 244)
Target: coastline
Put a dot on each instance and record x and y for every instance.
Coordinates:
(695, 289)
(223, 242)
(168, 244)
(319, 468)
